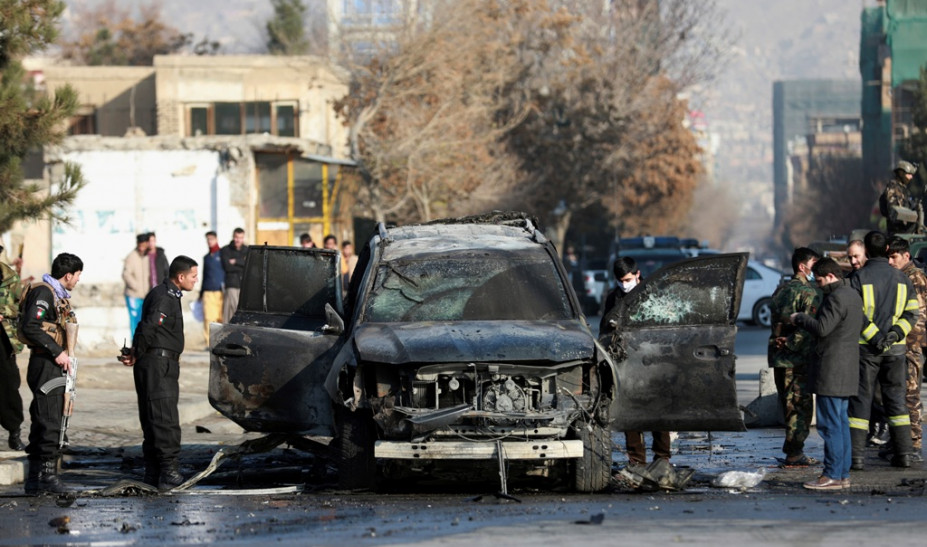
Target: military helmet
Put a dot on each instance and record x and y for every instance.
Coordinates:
(906, 167)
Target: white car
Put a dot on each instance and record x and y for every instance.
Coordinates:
(759, 285)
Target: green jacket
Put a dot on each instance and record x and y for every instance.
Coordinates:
(797, 295)
(11, 290)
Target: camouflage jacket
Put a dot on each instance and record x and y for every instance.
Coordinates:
(798, 295)
(11, 290)
(896, 194)
(918, 335)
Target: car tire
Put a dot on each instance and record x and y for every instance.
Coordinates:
(762, 312)
(593, 472)
(357, 466)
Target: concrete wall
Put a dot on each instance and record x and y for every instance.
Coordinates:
(140, 185)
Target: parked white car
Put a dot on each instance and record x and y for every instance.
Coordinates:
(759, 285)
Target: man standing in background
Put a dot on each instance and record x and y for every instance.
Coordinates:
(233, 258)
(157, 262)
(899, 257)
(11, 403)
(791, 351)
(136, 274)
(211, 289)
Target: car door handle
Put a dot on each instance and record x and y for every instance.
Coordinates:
(231, 350)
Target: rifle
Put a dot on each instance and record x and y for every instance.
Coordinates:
(67, 381)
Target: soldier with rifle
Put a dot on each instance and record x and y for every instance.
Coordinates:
(904, 214)
(43, 327)
(11, 404)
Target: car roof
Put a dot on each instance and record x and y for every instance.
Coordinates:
(409, 242)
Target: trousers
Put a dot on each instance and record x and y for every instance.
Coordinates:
(797, 404)
(637, 452)
(45, 410)
(834, 428)
(158, 391)
(134, 306)
(11, 404)
(212, 310)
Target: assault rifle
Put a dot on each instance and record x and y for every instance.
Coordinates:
(67, 381)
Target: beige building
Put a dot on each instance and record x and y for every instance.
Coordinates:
(189, 96)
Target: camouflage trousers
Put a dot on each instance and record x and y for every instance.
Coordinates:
(797, 404)
(915, 360)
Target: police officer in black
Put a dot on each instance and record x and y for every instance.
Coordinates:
(46, 310)
(155, 354)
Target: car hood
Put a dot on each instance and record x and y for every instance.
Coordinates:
(500, 341)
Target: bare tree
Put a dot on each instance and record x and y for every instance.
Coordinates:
(559, 102)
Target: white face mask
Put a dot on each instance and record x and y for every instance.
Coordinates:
(627, 286)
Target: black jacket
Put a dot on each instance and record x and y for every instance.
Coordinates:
(889, 303)
(835, 371)
(233, 272)
(40, 307)
(161, 325)
(162, 267)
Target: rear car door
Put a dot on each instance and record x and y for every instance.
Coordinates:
(674, 347)
(268, 365)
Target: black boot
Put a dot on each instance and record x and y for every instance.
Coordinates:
(15, 442)
(152, 473)
(43, 478)
(904, 446)
(170, 476)
(858, 442)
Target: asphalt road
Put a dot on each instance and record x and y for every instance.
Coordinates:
(464, 509)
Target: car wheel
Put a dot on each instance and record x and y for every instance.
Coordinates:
(594, 470)
(762, 312)
(357, 466)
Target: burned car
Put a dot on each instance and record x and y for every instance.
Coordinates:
(462, 340)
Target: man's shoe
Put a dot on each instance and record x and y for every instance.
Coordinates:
(824, 483)
(152, 473)
(857, 464)
(901, 460)
(15, 441)
(916, 457)
(170, 477)
(845, 483)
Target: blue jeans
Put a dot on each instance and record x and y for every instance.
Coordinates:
(135, 314)
(834, 428)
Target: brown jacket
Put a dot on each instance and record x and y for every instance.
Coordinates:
(137, 275)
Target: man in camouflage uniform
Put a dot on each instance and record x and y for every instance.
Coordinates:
(11, 404)
(896, 194)
(791, 351)
(899, 256)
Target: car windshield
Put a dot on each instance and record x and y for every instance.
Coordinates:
(479, 287)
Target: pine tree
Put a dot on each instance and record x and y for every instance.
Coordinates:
(27, 120)
(286, 31)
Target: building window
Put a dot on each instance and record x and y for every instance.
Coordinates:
(228, 118)
(199, 120)
(286, 120)
(255, 117)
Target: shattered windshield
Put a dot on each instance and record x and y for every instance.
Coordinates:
(478, 287)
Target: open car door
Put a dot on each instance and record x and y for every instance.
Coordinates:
(674, 348)
(268, 365)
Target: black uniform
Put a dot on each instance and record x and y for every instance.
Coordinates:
(45, 411)
(11, 404)
(158, 343)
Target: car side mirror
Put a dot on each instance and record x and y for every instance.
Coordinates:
(334, 324)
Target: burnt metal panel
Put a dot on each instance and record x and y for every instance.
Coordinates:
(466, 341)
(271, 380)
(674, 347)
(678, 379)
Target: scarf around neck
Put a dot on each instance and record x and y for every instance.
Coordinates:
(60, 291)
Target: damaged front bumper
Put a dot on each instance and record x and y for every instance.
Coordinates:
(479, 450)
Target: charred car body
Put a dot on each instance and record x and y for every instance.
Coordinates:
(462, 340)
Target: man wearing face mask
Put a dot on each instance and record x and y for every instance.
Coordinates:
(790, 353)
(629, 276)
